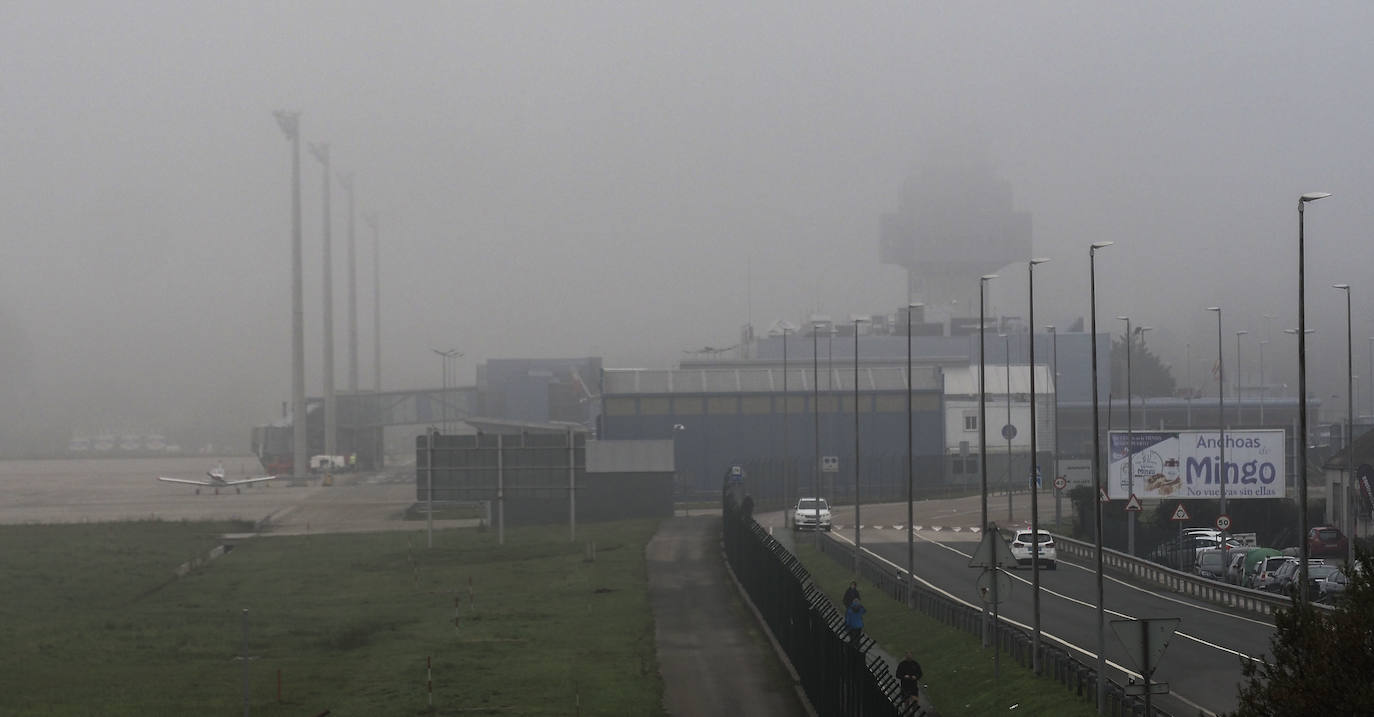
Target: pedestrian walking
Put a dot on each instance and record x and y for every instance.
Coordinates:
(851, 594)
(854, 620)
(909, 675)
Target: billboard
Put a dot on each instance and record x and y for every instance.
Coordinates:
(1185, 465)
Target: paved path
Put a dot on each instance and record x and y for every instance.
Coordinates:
(714, 657)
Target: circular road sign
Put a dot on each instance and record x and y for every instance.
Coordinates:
(1223, 522)
(1060, 483)
(1008, 431)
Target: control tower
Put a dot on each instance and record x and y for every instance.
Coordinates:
(954, 223)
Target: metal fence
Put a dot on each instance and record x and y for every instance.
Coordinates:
(1056, 663)
(839, 676)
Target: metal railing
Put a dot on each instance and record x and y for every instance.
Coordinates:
(1196, 586)
(1056, 663)
(839, 675)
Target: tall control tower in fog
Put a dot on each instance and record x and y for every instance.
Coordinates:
(955, 222)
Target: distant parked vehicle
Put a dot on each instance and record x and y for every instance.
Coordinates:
(1266, 570)
(1235, 564)
(1211, 564)
(1315, 574)
(1287, 575)
(1327, 541)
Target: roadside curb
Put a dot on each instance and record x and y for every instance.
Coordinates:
(777, 648)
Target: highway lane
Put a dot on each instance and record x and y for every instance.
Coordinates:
(1201, 664)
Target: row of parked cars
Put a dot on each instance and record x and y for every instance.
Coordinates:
(1273, 570)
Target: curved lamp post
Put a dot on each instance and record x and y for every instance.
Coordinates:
(1302, 397)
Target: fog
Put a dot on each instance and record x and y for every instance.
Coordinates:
(630, 180)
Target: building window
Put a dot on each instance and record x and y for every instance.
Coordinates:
(970, 421)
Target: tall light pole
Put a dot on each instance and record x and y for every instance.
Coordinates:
(1221, 417)
(346, 181)
(1264, 387)
(290, 125)
(1141, 331)
(1097, 483)
(1371, 376)
(910, 469)
(983, 395)
(1130, 440)
(1034, 473)
(1302, 397)
(858, 550)
(1349, 414)
(1054, 371)
(448, 356)
(786, 509)
(1006, 348)
(816, 414)
(331, 408)
(374, 225)
(1240, 373)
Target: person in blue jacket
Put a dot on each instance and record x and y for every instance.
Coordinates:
(854, 619)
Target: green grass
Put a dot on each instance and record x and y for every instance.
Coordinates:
(94, 623)
(957, 668)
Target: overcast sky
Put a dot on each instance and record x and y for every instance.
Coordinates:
(634, 179)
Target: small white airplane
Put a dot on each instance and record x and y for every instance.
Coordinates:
(216, 481)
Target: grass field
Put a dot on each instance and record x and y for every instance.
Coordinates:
(957, 668)
(94, 623)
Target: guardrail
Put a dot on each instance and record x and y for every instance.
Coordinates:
(1056, 663)
(1232, 596)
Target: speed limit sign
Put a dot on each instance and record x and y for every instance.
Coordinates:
(1060, 482)
(1223, 522)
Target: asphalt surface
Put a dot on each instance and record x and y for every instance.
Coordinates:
(1201, 663)
(713, 656)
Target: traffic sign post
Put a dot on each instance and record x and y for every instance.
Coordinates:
(992, 553)
(1060, 482)
(1180, 515)
(1145, 641)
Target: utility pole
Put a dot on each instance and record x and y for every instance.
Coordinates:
(331, 405)
(290, 126)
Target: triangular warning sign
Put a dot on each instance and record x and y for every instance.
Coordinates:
(992, 551)
(1145, 640)
(1133, 503)
(1180, 513)
(1102, 495)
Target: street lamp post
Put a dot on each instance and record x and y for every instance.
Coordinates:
(1130, 441)
(1349, 414)
(910, 469)
(291, 127)
(1221, 417)
(1054, 371)
(786, 481)
(1097, 483)
(331, 410)
(1034, 474)
(1006, 349)
(1240, 416)
(858, 550)
(1264, 387)
(1302, 398)
(816, 415)
(372, 223)
(983, 397)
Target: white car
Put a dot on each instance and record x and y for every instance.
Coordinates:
(1021, 549)
(811, 514)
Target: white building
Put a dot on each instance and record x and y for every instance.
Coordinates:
(1008, 459)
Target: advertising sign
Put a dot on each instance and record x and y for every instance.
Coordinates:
(1077, 471)
(1185, 464)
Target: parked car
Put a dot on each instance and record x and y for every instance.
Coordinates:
(1315, 574)
(811, 514)
(1327, 541)
(1288, 574)
(1211, 564)
(1331, 587)
(1235, 564)
(1021, 548)
(1266, 571)
(1254, 562)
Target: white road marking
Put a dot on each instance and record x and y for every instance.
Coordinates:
(1052, 636)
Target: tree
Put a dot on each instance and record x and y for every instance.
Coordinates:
(1321, 660)
(1149, 375)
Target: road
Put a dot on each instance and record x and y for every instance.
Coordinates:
(1202, 661)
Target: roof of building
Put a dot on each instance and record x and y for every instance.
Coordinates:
(764, 379)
